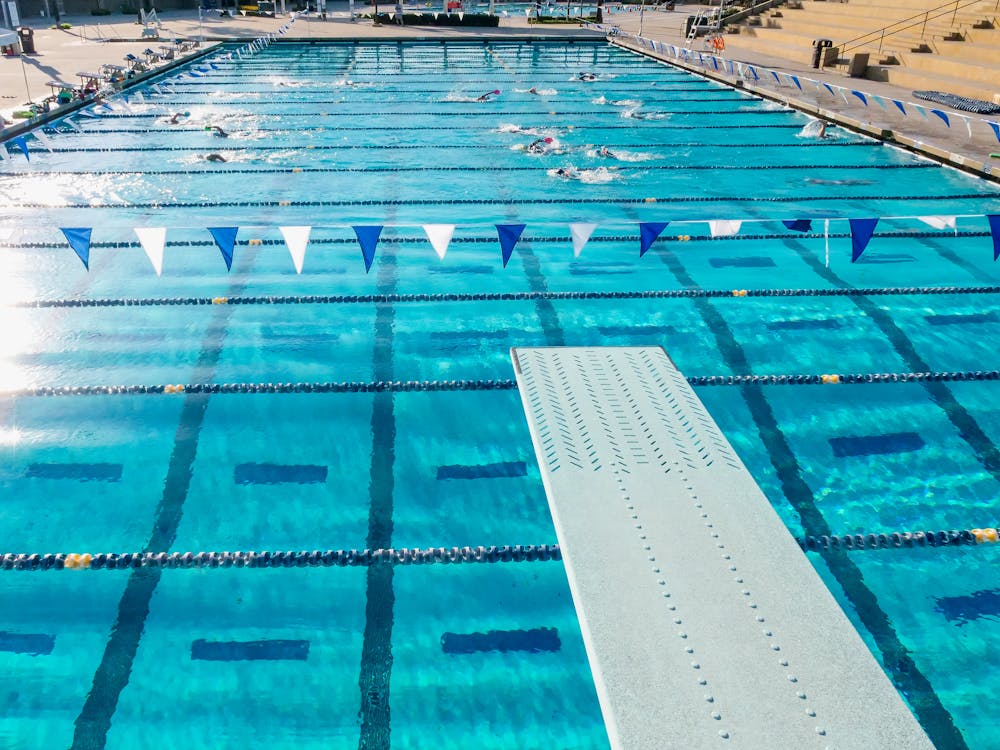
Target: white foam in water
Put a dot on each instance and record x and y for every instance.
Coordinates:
(620, 155)
(537, 132)
(638, 114)
(597, 176)
(287, 82)
(539, 92)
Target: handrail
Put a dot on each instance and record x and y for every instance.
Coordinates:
(920, 19)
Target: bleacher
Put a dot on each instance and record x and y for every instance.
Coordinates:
(917, 44)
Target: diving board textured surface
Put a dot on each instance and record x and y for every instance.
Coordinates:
(704, 622)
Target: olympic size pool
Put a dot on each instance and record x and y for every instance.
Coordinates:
(306, 451)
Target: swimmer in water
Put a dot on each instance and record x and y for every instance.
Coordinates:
(822, 130)
(215, 157)
(175, 119)
(586, 76)
(816, 181)
(219, 132)
(539, 146)
(488, 95)
(606, 153)
(567, 173)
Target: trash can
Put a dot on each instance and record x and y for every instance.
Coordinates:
(27, 36)
(818, 46)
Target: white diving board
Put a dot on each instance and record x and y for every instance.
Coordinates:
(704, 623)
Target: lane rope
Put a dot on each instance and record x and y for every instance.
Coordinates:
(341, 558)
(497, 202)
(432, 386)
(339, 299)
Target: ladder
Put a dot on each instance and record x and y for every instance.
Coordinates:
(695, 25)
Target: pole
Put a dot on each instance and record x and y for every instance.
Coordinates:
(642, 10)
(24, 72)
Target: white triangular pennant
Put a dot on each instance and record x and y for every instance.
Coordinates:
(580, 232)
(296, 239)
(939, 222)
(4, 154)
(152, 240)
(42, 138)
(724, 228)
(461, 15)
(440, 237)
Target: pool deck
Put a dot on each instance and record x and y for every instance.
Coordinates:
(95, 40)
(704, 623)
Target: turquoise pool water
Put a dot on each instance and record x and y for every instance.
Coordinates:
(335, 135)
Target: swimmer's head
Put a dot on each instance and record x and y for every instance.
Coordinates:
(496, 92)
(548, 140)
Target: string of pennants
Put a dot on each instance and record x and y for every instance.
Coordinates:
(760, 73)
(153, 239)
(260, 43)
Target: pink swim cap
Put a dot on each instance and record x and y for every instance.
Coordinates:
(548, 140)
(496, 91)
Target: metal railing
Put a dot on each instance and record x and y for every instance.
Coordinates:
(920, 19)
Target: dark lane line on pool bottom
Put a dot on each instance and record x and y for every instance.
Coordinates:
(376, 649)
(94, 721)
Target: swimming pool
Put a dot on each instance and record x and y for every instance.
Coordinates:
(332, 136)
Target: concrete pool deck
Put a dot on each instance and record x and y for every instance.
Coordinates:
(107, 39)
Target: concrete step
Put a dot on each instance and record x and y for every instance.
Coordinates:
(916, 80)
(986, 73)
(854, 26)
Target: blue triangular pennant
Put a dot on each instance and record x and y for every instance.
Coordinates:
(942, 115)
(829, 88)
(225, 239)
(899, 105)
(79, 240)
(860, 96)
(509, 234)
(648, 232)
(994, 220)
(22, 143)
(368, 239)
(799, 225)
(996, 128)
(795, 80)
(861, 234)
(776, 79)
